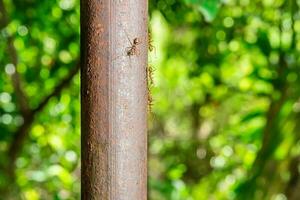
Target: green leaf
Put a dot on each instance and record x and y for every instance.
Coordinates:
(209, 8)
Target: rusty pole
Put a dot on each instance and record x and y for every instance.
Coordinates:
(114, 99)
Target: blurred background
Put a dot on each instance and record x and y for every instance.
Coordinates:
(226, 108)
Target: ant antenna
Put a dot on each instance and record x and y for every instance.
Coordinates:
(127, 36)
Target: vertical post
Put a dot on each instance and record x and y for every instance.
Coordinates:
(114, 99)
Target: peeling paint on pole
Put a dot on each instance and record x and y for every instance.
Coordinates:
(114, 99)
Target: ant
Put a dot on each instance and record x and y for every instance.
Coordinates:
(150, 83)
(150, 42)
(150, 102)
(149, 74)
(130, 51)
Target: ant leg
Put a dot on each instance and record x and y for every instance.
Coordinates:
(116, 57)
(128, 37)
(128, 50)
(137, 51)
(154, 49)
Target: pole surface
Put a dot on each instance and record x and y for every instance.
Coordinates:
(114, 99)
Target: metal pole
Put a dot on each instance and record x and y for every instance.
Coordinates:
(114, 99)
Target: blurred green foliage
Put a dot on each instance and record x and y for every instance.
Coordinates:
(45, 36)
(225, 121)
(226, 100)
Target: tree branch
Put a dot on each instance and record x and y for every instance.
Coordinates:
(27, 113)
(271, 133)
(292, 186)
(22, 133)
(12, 52)
(56, 91)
